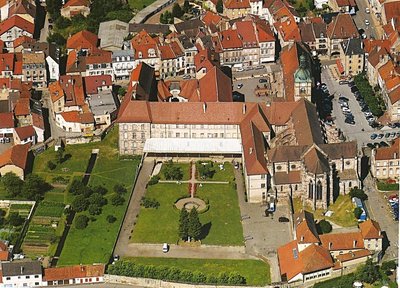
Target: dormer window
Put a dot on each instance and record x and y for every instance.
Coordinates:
(140, 55)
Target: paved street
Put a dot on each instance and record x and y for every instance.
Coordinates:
(45, 30)
(361, 131)
(374, 29)
(378, 210)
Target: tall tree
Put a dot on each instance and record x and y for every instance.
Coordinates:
(369, 272)
(13, 184)
(183, 224)
(177, 11)
(194, 229)
(186, 6)
(220, 7)
(34, 187)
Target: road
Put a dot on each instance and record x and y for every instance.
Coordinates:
(378, 210)
(374, 30)
(45, 30)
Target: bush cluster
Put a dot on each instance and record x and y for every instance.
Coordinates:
(368, 94)
(154, 180)
(149, 203)
(130, 269)
(388, 186)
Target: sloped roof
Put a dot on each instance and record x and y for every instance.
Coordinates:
(306, 230)
(6, 120)
(82, 40)
(77, 3)
(25, 132)
(370, 229)
(342, 241)
(237, 4)
(18, 22)
(339, 150)
(391, 152)
(342, 27)
(291, 177)
(215, 86)
(16, 155)
(315, 161)
(92, 83)
(73, 272)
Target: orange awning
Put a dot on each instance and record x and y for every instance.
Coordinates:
(339, 66)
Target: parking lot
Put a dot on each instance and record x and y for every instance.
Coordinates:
(360, 129)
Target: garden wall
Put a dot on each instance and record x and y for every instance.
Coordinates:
(146, 282)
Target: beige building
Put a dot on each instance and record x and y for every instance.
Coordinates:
(75, 7)
(34, 69)
(15, 160)
(235, 9)
(351, 57)
(385, 162)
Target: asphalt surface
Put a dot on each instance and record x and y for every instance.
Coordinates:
(361, 16)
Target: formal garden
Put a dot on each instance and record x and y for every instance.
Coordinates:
(218, 219)
(98, 207)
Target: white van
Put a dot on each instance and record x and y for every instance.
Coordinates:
(165, 247)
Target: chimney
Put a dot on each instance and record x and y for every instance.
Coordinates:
(251, 150)
(244, 109)
(395, 155)
(330, 246)
(354, 243)
(302, 238)
(204, 107)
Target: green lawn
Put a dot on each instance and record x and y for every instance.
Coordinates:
(256, 272)
(160, 225)
(95, 243)
(139, 4)
(184, 168)
(221, 223)
(220, 175)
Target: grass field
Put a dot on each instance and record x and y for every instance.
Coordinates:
(94, 244)
(139, 4)
(160, 225)
(342, 211)
(256, 272)
(220, 175)
(184, 168)
(221, 223)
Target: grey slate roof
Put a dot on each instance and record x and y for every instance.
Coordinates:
(112, 33)
(21, 268)
(102, 103)
(353, 46)
(150, 28)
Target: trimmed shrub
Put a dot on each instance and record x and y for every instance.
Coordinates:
(51, 165)
(111, 219)
(154, 180)
(149, 203)
(81, 222)
(325, 226)
(357, 212)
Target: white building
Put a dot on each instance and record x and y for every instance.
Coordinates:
(21, 274)
(123, 62)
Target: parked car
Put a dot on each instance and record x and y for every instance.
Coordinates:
(343, 82)
(387, 135)
(262, 80)
(393, 134)
(349, 121)
(367, 113)
(165, 248)
(283, 219)
(346, 109)
(380, 136)
(367, 10)
(7, 140)
(373, 136)
(354, 89)
(351, 84)
(342, 98)
(239, 69)
(367, 22)
(186, 76)
(240, 85)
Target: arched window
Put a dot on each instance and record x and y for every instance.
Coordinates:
(319, 190)
(310, 190)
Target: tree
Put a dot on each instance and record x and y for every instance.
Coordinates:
(357, 212)
(122, 90)
(54, 7)
(51, 165)
(76, 187)
(172, 172)
(186, 6)
(15, 219)
(13, 184)
(80, 203)
(97, 199)
(81, 222)
(220, 7)
(183, 224)
(111, 219)
(359, 193)
(206, 171)
(369, 273)
(99, 190)
(177, 11)
(94, 209)
(194, 225)
(119, 189)
(121, 15)
(117, 200)
(325, 226)
(388, 266)
(34, 187)
(56, 38)
(60, 155)
(62, 22)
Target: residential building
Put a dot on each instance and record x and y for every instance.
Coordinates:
(376, 55)
(123, 62)
(7, 61)
(143, 84)
(112, 34)
(82, 41)
(15, 160)
(343, 6)
(351, 57)
(99, 63)
(104, 108)
(204, 61)
(389, 82)
(75, 7)
(314, 35)
(146, 50)
(7, 124)
(77, 122)
(13, 28)
(34, 69)
(25, 134)
(232, 48)
(77, 274)
(21, 274)
(236, 9)
(339, 29)
(22, 112)
(25, 9)
(390, 10)
(385, 162)
(251, 49)
(311, 257)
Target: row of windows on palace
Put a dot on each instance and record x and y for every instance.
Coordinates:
(180, 126)
(183, 135)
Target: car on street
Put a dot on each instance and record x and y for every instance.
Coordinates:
(387, 135)
(366, 22)
(165, 248)
(367, 10)
(283, 219)
(343, 82)
(342, 98)
(373, 136)
(262, 80)
(345, 109)
(349, 121)
(240, 85)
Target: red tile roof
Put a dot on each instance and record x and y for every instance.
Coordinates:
(389, 75)
(166, 52)
(342, 241)
(230, 39)
(370, 229)
(290, 64)
(92, 83)
(278, 113)
(16, 21)
(215, 86)
(23, 39)
(264, 33)
(73, 272)
(82, 40)
(72, 86)
(206, 59)
(6, 120)
(392, 10)
(211, 18)
(77, 3)
(99, 57)
(76, 117)
(353, 255)
(17, 155)
(18, 64)
(4, 255)
(394, 95)
(56, 91)
(37, 121)
(25, 132)
(247, 33)
(142, 38)
(237, 4)
(22, 107)
(342, 27)
(7, 62)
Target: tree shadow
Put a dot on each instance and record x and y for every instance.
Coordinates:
(66, 157)
(385, 243)
(205, 230)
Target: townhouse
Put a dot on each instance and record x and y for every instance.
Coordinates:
(15, 160)
(13, 28)
(351, 57)
(98, 63)
(251, 49)
(7, 61)
(24, 8)
(75, 7)
(236, 8)
(376, 55)
(339, 29)
(82, 41)
(343, 6)
(123, 62)
(389, 82)
(385, 162)
(232, 48)
(146, 50)
(34, 69)
(21, 274)
(311, 257)
(313, 34)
